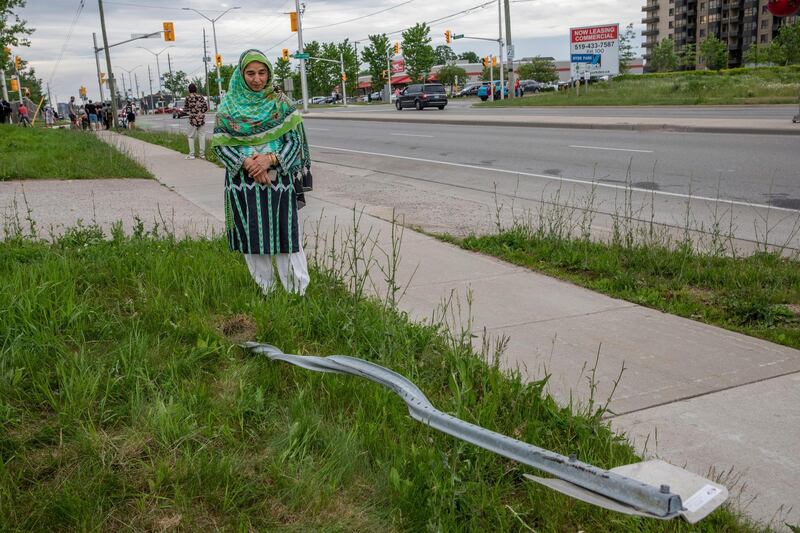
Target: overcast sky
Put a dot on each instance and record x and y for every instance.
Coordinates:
(538, 27)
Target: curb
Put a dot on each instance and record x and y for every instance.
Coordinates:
(789, 130)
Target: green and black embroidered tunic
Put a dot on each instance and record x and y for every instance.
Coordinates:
(260, 218)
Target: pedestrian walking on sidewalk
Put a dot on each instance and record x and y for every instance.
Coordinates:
(260, 138)
(196, 106)
(130, 115)
(91, 114)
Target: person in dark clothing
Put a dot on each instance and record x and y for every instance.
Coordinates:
(5, 111)
(91, 114)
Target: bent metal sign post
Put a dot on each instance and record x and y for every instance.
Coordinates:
(594, 49)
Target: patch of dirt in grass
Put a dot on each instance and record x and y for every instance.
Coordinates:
(169, 522)
(793, 308)
(237, 328)
(704, 295)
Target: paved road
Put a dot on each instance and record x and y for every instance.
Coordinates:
(465, 105)
(572, 167)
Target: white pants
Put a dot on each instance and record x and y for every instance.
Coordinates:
(193, 132)
(292, 270)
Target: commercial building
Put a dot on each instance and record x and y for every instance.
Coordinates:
(738, 23)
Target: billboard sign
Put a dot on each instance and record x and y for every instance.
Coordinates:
(594, 49)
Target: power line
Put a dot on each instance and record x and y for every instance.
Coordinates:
(134, 4)
(66, 41)
(359, 18)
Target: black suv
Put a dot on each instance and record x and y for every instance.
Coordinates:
(421, 95)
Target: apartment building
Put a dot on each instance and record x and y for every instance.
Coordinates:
(738, 23)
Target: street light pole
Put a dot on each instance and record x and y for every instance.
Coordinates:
(158, 64)
(500, 44)
(214, 32)
(300, 50)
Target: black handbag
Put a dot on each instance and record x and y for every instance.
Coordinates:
(302, 183)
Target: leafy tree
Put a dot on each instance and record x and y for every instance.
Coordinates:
(418, 52)
(756, 54)
(200, 83)
(29, 81)
(714, 53)
(448, 75)
(788, 40)
(351, 63)
(282, 69)
(444, 55)
(540, 69)
(226, 72)
(12, 32)
(663, 57)
(626, 54)
(176, 83)
(470, 56)
(688, 58)
(375, 56)
(317, 72)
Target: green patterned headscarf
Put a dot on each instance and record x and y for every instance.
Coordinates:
(252, 118)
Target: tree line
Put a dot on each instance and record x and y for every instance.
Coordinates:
(713, 53)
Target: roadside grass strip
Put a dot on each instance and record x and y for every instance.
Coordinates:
(173, 141)
(125, 403)
(39, 153)
(766, 85)
(758, 295)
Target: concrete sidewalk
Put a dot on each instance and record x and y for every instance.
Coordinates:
(718, 399)
(678, 124)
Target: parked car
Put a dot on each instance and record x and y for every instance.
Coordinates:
(178, 110)
(470, 89)
(529, 86)
(422, 95)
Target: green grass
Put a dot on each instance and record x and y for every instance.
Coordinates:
(124, 404)
(171, 140)
(766, 85)
(39, 153)
(758, 295)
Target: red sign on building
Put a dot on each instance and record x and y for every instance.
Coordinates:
(595, 33)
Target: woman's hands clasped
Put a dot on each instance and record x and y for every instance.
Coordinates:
(258, 167)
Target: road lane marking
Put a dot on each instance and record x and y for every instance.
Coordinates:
(614, 149)
(559, 178)
(412, 135)
(317, 129)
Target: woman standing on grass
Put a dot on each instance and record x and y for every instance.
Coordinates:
(259, 137)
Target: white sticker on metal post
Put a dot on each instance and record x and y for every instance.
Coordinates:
(700, 498)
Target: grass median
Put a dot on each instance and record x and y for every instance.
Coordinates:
(758, 295)
(40, 153)
(171, 140)
(125, 404)
(767, 85)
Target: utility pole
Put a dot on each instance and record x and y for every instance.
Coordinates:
(111, 81)
(97, 62)
(136, 78)
(3, 81)
(169, 66)
(150, 77)
(205, 66)
(512, 76)
(389, 74)
(500, 44)
(344, 80)
(124, 88)
(303, 80)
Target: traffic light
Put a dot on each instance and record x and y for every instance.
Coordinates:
(82, 91)
(14, 85)
(293, 20)
(344, 76)
(27, 92)
(169, 31)
(18, 62)
(494, 61)
(447, 37)
(397, 48)
(218, 60)
(485, 61)
(285, 54)
(103, 78)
